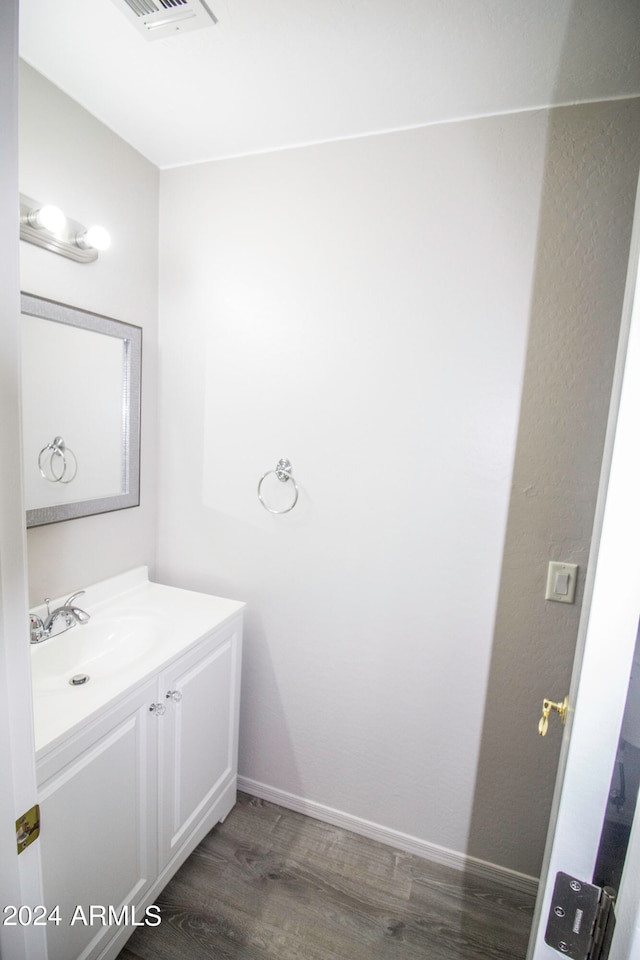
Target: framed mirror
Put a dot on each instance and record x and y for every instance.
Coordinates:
(80, 412)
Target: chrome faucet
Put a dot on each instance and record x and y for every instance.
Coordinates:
(58, 620)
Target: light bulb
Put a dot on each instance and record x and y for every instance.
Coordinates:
(48, 218)
(96, 237)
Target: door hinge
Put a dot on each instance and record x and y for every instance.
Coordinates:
(28, 828)
(581, 919)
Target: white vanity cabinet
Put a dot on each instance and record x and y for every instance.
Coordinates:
(98, 802)
(126, 796)
(198, 736)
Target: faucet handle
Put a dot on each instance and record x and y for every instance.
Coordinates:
(36, 628)
(80, 616)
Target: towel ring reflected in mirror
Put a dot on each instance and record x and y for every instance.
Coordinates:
(65, 469)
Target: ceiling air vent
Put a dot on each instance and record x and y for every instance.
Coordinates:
(159, 19)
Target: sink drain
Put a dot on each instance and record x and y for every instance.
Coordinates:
(78, 679)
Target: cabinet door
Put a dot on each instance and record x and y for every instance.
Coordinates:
(98, 824)
(199, 742)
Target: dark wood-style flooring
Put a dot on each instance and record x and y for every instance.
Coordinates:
(270, 884)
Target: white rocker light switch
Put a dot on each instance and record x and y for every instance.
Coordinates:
(561, 582)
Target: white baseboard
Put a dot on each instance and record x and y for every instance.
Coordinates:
(394, 838)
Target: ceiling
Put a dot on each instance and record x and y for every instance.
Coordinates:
(279, 73)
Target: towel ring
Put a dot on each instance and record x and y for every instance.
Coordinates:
(283, 473)
(59, 452)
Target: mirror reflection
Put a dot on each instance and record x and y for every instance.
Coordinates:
(80, 400)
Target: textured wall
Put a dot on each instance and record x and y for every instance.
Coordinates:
(68, 158)
(363, 308)
(591, 172)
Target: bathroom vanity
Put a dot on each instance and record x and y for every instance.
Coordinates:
(137, 763)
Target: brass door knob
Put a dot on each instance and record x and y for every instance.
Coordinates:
(547, 707)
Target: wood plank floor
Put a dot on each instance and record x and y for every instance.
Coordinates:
(269, 883)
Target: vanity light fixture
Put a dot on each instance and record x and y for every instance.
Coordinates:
(95, 237)
(47, 218)
(47, 226)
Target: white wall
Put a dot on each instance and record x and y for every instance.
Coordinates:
(361, 308)
(68, 158)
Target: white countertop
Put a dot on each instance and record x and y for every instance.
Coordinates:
(151, 623)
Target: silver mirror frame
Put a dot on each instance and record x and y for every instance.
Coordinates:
(132, 341)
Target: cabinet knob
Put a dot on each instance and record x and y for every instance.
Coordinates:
(174, 695)
(157, 708)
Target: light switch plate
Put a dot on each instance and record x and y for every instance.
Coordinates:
(561, 582)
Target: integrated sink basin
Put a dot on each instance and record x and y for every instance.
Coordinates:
(101, 648)
(135, 628)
